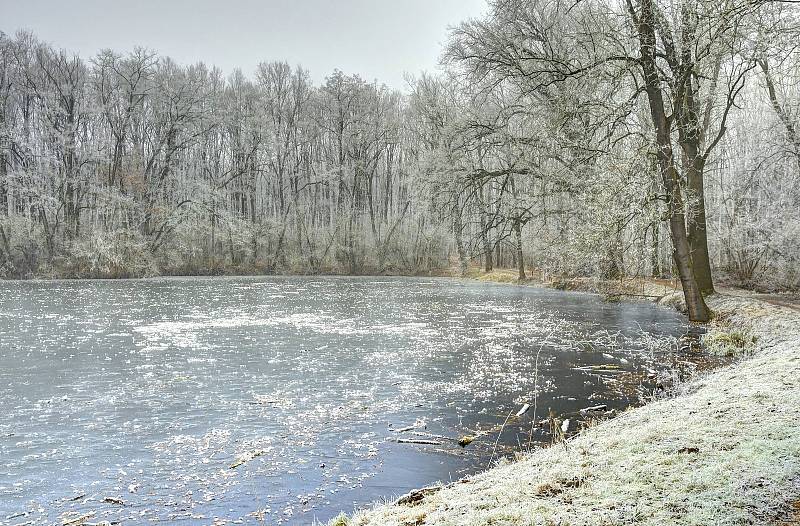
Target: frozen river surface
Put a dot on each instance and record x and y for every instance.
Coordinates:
(279, 400)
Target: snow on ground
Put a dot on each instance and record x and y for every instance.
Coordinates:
(725, 451)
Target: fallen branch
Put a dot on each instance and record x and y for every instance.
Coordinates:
(418, 441)
(419, 423)
(656, 296)
(433, 436)
(247, 457)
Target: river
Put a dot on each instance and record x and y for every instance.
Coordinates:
(279, 400)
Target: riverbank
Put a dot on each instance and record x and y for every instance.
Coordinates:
(724, 450)
(652, 289)
(660, 290)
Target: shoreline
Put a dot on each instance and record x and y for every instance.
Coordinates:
(725, 449)
(500, 276)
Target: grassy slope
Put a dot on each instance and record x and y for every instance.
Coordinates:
(725, 451)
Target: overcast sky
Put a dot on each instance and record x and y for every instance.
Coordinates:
(378, 39)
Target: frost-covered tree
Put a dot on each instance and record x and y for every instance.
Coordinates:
(632, 138)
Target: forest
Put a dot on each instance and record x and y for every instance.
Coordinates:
(648, 138)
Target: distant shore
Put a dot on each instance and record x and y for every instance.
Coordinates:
(499, 275)
(659, 290)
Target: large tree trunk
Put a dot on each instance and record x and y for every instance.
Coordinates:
(689, 137)
(697, 230)
(681, 252)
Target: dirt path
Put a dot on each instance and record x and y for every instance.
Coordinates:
(789, 300)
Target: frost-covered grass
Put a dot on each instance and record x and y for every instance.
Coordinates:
(725, 451)
(728, 342)
(494, 276)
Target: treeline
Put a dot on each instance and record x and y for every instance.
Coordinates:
(132, 164)
(640, 139)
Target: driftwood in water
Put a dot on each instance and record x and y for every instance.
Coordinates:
(419, 441)
(404, 429)
(416, 425)
(247, 457)
(633, 295)
(594, 409)
(433, 436)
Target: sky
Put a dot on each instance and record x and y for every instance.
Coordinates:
(377, 39)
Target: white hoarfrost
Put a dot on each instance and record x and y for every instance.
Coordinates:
(724, 451)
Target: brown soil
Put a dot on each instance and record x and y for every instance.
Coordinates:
(794, 516)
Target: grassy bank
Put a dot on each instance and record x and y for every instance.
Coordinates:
(725, 450)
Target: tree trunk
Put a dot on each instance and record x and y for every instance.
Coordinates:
(70, 167)
(788, 123)
(520, 260)
(488, 262)
(279, 257)
(487, 247)
(655, 254)
(697, 230)
(458, 231)
(4, 245)
(4, 147)
(384, 246)
(681, 252)
(48, 235)
(690, 137)
(3, 195)
(213, 232)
